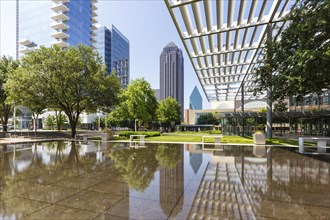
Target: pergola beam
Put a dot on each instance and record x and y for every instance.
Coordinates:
(225, 50)
(225, 30)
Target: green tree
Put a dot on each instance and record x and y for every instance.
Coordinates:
(298, 64)
(50, 121)
(21, 88)
(138, 101)
(7, 68)
(169, 112)
(280, 106)
(60, 118)
(208, 118)
(72, 80)
(57, 120)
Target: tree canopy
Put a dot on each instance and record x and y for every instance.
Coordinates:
(138, 101)
(298, 63)
(7, 68)
(169, 111)
(208, 118)
(72, 80)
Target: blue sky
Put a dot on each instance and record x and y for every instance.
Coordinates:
(148, 26)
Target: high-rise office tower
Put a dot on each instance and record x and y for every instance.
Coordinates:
(195, 100)
(113, 46)
(157, 94)
(55, 22)
(172, 74)
(103, 45)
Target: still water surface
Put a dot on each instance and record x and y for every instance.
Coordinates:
(98, 180)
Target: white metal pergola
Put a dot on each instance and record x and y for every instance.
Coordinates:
(225, 39)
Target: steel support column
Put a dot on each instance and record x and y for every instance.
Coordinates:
(269, 126)
(242, 106)
(269, 167)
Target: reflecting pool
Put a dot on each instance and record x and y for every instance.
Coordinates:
(99, 180)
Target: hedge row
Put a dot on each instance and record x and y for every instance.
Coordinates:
(147, 133)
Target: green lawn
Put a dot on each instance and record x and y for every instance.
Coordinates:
(225, 139)
(176, 138)
(198, 138)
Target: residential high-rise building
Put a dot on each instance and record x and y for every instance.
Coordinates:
(172, 74)
(113, 46)
(55, 22)
(195, 100)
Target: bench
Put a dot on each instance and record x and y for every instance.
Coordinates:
(131, 137)
(141, 141)
(217, 138)
(321, 143)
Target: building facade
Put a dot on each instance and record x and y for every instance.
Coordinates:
(172, 74)
(55, 22)
(120, 56)
(311, 102)
(195, 100)
(157, 94)
(113, 46)
(103, 45)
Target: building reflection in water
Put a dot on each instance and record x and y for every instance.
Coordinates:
(171, 182)
(238, 182)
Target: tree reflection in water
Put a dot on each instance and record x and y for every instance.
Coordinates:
(51, 162)
(138, 165)
(168, 155)
(46, 163)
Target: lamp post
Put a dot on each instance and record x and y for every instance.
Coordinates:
(14, 120)
(135, 124)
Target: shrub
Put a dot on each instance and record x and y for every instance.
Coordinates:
(147, 133)
(107, 130)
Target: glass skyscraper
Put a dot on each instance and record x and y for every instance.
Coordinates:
(195, 100)
(55, 22)
(171, 74)
(103, 45)
(113, 46)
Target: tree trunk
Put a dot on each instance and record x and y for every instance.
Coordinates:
(73, 121)
(5, 116)
(35, 118)
(73, 124)
(4, 125)
(58, 119)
